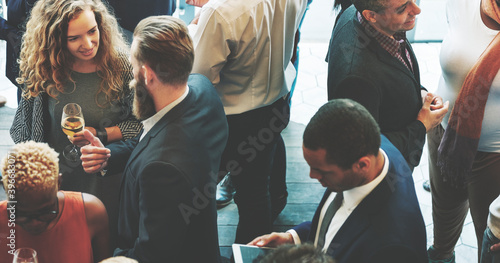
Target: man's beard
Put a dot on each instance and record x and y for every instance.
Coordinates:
(144, 106)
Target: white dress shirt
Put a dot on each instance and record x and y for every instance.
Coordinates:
(151, 121)
(233, 50)
(352, 198)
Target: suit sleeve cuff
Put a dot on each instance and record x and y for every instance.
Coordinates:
(296, 238)
(420, 128)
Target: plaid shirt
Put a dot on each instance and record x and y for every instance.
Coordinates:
(394, 46)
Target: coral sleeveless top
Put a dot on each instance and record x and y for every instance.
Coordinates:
(67, 241)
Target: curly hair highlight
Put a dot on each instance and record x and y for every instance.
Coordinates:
(45, 62)
(30, 166)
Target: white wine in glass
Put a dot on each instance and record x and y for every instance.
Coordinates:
(72, 122)
(72, 125)
(25, 255)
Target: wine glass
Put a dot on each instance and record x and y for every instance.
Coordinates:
(72, 122)
(25, 255)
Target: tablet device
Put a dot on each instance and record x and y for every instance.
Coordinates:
(247, 254)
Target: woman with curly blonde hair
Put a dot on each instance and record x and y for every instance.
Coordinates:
(73, 52)
(47, 29)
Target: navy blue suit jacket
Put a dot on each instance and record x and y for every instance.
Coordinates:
(167, 209)
(387, 226)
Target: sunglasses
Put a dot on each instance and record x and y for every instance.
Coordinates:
(45, 216)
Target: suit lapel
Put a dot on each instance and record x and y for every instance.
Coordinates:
(138, 149)
(386, 58)
(381, 53)
(359, 220)
(171, 116)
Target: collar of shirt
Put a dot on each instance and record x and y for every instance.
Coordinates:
(151, 121)
(351, 200)
(354, 196)
(391, 45)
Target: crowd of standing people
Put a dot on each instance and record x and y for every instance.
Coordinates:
(169, 110)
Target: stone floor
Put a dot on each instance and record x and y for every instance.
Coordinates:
(310, 94)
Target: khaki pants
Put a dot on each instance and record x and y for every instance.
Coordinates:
(450, 205)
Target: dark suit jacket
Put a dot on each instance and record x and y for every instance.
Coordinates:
(12, 31)
(387, 226)
(167, 199)
(130, 12)
(360, 69)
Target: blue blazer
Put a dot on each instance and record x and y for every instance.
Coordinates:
(167, 210)
(387, 226)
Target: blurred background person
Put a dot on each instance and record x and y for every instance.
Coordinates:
(12, 31)
(130, 12)
(466, 171)
(491, 238)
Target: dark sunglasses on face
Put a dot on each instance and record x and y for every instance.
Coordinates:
(45, 216)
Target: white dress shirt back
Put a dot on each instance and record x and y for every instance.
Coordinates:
(245, 47)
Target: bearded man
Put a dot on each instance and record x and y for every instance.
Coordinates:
(167, 198)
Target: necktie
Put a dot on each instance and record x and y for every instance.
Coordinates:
(330, 212)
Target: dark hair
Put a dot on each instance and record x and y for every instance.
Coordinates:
(305, 253)
(372, 5)
(345, 129)
(164, 44)
(344, 4)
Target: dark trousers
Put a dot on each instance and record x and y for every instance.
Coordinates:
(277, 182)
(488, 256)
(249, 158)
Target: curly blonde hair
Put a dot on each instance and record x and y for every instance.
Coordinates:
(45, 62)
(30, 166)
